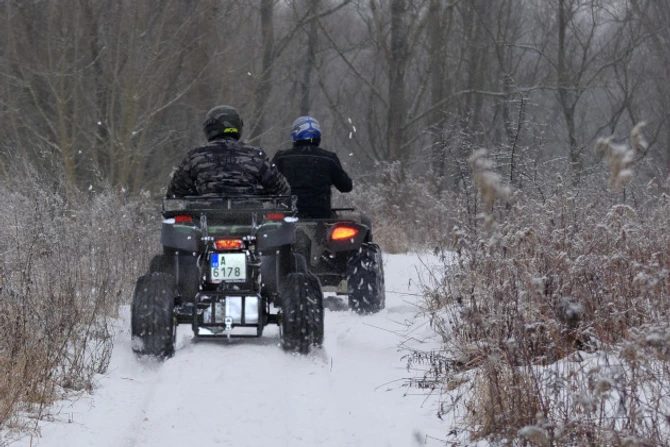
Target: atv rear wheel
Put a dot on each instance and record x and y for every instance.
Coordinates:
(153, 325)
(316, 318)
(365, 280)
(302, 312)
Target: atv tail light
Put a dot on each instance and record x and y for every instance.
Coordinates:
(342, 232)
(228, 244)
(275, 217)
(183, 219)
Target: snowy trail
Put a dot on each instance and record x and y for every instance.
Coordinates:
(248, 392)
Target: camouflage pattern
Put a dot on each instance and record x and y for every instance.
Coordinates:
(227, 167)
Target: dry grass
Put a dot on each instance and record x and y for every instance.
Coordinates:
(560, 305)
(408, 212)
(505, 399)
(68, 261)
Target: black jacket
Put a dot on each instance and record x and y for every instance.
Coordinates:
(311, 171)
(227, 167)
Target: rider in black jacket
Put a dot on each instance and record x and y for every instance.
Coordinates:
(226, 166)
(311, 170)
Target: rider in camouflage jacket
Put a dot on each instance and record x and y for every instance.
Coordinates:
(225, 165)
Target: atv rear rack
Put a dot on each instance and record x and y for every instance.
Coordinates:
(196, 205)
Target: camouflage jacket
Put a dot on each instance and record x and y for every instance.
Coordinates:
(227, 167)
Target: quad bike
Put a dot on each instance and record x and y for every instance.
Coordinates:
(228, 266)
(340, 251)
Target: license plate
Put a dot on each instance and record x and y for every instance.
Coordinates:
(230, 267)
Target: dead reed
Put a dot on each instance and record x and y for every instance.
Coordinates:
(68, 260)
(557, 308)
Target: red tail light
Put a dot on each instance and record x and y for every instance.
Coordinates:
(275, 217)
(228, 244)
(183, 219)
(343, 232)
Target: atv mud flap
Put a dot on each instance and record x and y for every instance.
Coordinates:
(335, 296)
(217, 314)
(272, 236)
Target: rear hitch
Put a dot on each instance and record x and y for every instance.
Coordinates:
(229, 326)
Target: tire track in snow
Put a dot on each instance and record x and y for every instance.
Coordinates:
(248, 392)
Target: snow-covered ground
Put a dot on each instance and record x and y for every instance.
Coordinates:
(248, 392)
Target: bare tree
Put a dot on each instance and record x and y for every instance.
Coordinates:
(310, 59)
(264, 86)
(439, 22)
(113, 92)
(397, 65)
(655, 18)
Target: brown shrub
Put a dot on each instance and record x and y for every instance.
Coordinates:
(68, 261)
(408, 212)
(559, 303)
(505, 401)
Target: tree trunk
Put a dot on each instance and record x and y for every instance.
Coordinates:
(310, 60)
(564, 96)
(437, 36)
(100, 147)
(264, 85)
(396, 93)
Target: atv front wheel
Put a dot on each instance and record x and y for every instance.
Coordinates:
(302, 312)
(365, 280)
(153, 325)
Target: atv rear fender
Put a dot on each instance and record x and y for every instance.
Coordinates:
(274, 241)
(181, 237)
(271, 236)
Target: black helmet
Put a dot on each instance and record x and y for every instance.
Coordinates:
(222, 121)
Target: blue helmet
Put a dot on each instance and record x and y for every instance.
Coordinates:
(306, 128)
